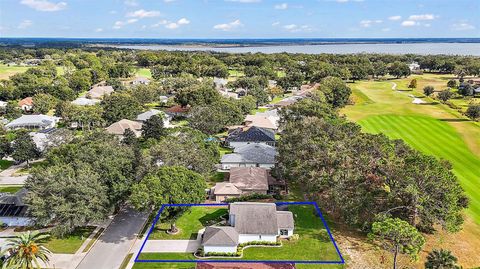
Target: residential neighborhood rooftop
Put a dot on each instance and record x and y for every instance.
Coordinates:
(251, 134)
(249, 178)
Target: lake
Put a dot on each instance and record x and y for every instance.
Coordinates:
(406, 48)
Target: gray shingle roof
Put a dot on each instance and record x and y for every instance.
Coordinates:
(220, 236)
(251, 153)
(251, 134)
(255, 218)
(148, 114)
(285, 220)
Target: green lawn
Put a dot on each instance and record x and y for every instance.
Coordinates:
(10, 188)
(314, 243)
(432, 128)
(26, 170)
(190, 223)
(7, 71)
(71, 243)
(144, 72)
(4, 164)
(215, 178)
(224, 151)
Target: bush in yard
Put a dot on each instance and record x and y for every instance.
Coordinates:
(445, 95)
(473, 112)
(452, 83)
(428, 90)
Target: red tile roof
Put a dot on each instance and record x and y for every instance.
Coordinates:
(26, 101)
(177, 109)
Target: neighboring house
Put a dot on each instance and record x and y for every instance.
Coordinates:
(140, 81)
(148, 114)
(220, 83)
(227, 94)
(248, 222)
(250, 155)
(244, 181)
(163, 99)
(82, 101)
(288, 101)
(476, 91)
(41, 139)
(247, 135)
(33, 122)
(13, 212)
(3, 104)
(177, 111)
(98, 92)
(239, 265)
(414, 66)
(267, 122)
(26, 104)
(118, 128)
(272, 83)
(307, 89)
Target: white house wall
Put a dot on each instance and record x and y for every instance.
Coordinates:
(244, 238)
(290, 233)
(220, 249)
(227, 166)
(16, 221)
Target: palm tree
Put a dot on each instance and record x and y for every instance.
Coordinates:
(441, 259)
(25, 251)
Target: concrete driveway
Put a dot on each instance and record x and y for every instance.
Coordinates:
(180, 246)
(116, 242)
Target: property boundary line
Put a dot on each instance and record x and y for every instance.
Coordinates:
(314, 204)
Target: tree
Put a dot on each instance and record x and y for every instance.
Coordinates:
(129, 137)
(188, 148)
(42, 103)
(153, 127)
(69, 195)
(81, 80)
(441, 259)
(119, 106)
(246, 104)
(291, 81)
(336, 92)
(197, 95)
(452, 83)
(25, 251)
(212, 119)
(5, 147)
(24, 148)
(399, 69)
(169, 185)
(473, 112)
(445, 95)
(428, 90)
(413, 84)
(397, 236)
(466, 89)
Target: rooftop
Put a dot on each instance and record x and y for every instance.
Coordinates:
(251, 134)
(255, 218)
(249, 178)
(220, 236)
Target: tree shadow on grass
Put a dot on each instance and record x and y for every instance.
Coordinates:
(454, 120)
(214, 217)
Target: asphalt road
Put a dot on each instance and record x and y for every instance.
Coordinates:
(116, 242)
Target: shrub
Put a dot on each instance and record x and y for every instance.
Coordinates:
(249, 197)
(294, 237)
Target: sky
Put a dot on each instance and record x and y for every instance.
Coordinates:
(240, 18)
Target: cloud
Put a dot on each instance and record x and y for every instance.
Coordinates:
(120, 24)
(228, 26)
(409, 23)
(175, 25)
(98, 30)
(244, 1)
(44, 5)
(462, 26)
(368, 23)
(293, 28)
(132, 3)
(422, 17)
(386, 30)
(162, 22)
(395, 18)
(281, 6)
(276, 23)
(141, 13)
(25, 24)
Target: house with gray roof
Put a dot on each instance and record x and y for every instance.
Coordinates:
(98, 92)
(248, 222)
(82, 101)
(250, 155)
(13, 211)
(251, 134)
(143, 117)
(33, 122)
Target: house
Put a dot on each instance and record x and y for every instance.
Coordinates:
(247, 135)
(163, 99)
(220, 83)
(13, 211)
(148, 114)
(288, 101)
(248, 222)
(250, 155)
(140, 81)
(227, 94)
(307, 89)
(414, 66)
(82, 101)
(244, 181)
(118, 128)
(98, 92)
(272, 83)
(33, 122)
(26, 104)
(3, 104)
(267, 122)
(178, 111)
(239, 265)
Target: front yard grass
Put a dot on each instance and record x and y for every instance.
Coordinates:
(10, 188)
(190, 223)
(26, 170)
(314, 243)
(4, 164)
(70, 243)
